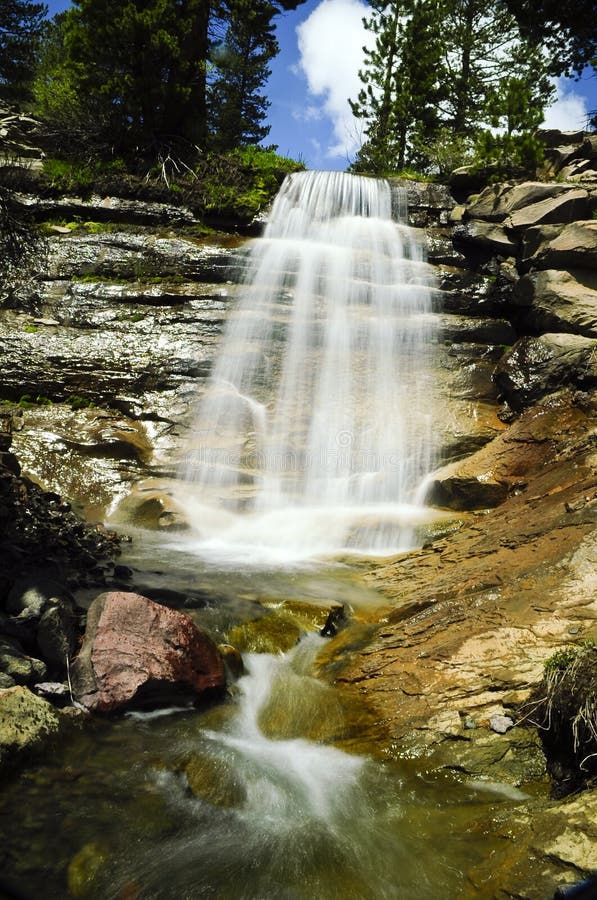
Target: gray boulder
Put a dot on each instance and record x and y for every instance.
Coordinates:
(559, 301)
(574, 246)
(565, 206)
(499, 201)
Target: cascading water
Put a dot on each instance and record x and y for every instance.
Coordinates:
(314, 432)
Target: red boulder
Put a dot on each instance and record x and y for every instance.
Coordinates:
(139, 654)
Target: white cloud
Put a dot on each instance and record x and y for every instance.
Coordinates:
(569, 112)
(307, 113)
(331, 53)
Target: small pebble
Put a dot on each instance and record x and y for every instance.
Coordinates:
(501, 724)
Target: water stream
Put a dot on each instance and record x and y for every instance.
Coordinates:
(180, 805)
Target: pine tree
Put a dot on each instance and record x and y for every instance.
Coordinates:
(135, 70)
(434, 75)
(483, 49)
(21, 25)
(237, 107)
(565, 28)
(402, 90)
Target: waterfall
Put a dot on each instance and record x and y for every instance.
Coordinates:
(315, 429)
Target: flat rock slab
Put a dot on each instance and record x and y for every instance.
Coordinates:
(137, 653)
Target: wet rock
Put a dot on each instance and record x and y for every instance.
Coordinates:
(86, 867)
(57, 634)
(308, 615)
(56, 692)
(26, 723)
(536, 366)
(214, 780)
(151, 505)
(133, 257)
(471, 619)
(17, 666)
(232, 660)
(461, 329)
(137, 653)
(335, 622)
(427, 203)
(557, 301)
(269, 634)
(546, 845)
(31, 596)
(485, 478)
(488, 235)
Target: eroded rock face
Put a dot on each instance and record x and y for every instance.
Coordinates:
(137, 653)
(473, 616)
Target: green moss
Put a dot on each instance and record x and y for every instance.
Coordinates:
(28, 401)
(76, 401)
(30, 329)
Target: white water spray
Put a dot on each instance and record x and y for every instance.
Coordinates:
(314, 431)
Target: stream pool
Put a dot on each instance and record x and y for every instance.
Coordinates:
(239, 800)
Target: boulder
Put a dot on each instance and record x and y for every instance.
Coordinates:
(427, 203)
(559, 301)
(498, 201)
(16, 666)
(137, 653)
(465, 329)
(574, 246)
(26, 722)
(489, 235)
(565, 207)
(536, 366)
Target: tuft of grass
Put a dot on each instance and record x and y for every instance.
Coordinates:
(564, 708)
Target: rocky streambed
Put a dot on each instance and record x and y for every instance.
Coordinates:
(103, 357)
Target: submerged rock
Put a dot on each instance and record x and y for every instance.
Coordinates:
(270, 634)
(214, 780)
(137, 653)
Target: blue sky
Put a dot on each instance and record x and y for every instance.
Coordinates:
(316, 71)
